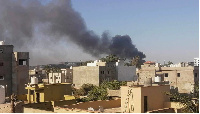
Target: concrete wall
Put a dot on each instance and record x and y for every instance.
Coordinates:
(7, 108)
(33, 110)
(6, 69)
(56, 92)
(21, 72)
(165, 110)
(95, 104)
(86, 74)
(156, 97)
(132, 98)
(126, 73)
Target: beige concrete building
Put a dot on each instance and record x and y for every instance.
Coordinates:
(141, 99)
(99, 71)
(94, 73)
(181, 79)
(13, 70)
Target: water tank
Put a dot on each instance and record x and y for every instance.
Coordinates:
(148, 82)
(1, 42)
(157, 79)
(2, 94)
(34, 80)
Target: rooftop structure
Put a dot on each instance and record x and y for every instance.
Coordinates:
(49, 92)
(182, 79)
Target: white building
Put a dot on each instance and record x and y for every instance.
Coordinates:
(196, 61)
(124, 73)
(65, 76)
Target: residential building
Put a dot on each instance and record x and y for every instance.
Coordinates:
(125, 73)
(181, 79)
(13, 70)
(94, 73)
(65, 76)
(40, 74)
(6, 67)
(196, 61)
(98, 71)
(49, 92)
(142, 99)
(20, 75)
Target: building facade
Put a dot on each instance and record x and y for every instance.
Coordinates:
(65, 76)
(6, 60)
(141, 99)
(94, 73)
(98, 71)
(14, 68)
(181, 79)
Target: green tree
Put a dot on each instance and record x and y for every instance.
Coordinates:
(98, 93)
(169, 63)
(110, 58)
(137, 61)
(190, 101)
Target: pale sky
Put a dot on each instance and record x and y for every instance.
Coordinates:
(162, 29)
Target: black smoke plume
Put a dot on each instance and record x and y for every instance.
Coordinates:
(20, 19)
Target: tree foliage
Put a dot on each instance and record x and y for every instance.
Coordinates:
(49, 69)
(110, 58)
(137, 61)
(113, 85)
(84, 89)
(96, 92)
(189, 101)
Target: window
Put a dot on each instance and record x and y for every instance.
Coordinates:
(22, 61)
(166, 74)
(196, 75)
(1, 50)
(102, 72)
(1, 63)
(108, 72)
(138, 74)
(1, 77)
(178, 74)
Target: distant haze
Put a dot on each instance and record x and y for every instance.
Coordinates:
(56, 32)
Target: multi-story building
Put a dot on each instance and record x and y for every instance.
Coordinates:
(196, 61)
(181, 79)
(13, 70)
(65, 76)
(93, 73)
(98, 71)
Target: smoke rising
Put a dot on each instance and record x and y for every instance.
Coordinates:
(22, 20)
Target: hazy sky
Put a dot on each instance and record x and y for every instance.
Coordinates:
(162, 29)
(53, 32)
